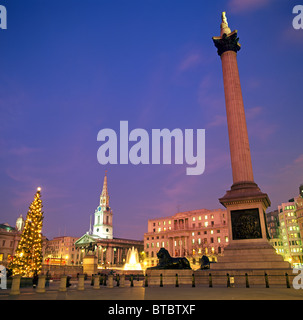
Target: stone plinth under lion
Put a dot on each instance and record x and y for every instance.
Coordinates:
(169, 270)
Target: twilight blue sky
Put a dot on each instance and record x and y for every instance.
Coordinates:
(71, 68)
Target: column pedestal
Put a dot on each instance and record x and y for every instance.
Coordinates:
(249, 248)
(90, 264)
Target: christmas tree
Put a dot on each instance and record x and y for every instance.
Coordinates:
(28, 257)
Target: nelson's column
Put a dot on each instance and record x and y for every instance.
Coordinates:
(246, 204)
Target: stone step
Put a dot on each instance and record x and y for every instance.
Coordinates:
(255, 265)
(237, 258)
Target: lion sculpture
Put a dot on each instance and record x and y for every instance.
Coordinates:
(168, 262)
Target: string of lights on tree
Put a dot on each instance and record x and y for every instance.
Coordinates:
(28, 257)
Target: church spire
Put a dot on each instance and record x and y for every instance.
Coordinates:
(104, 197)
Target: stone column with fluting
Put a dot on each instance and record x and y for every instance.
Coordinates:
(242, 172)
(245, 203)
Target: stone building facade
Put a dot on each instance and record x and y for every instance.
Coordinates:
(190, 234)
(61, 251)
(290, 232)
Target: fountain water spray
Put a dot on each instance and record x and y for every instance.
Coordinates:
(132, 260)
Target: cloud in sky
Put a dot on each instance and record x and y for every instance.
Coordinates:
(239, 6)
(23, 150)
(283, 184)
(190, 61)
(218, 121)
(258, 125)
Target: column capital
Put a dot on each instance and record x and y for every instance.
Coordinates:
(228, 42)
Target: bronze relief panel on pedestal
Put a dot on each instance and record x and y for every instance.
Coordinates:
(245, 224)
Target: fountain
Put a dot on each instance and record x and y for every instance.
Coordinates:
(132, 260)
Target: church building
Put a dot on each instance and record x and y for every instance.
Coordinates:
(110, 251)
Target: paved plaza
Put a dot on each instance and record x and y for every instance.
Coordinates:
(138, 292)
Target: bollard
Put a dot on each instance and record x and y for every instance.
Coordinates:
(81, 282)
(266, 280)
(122, 281)
(63, 280)
(177, 280)
(96, 282)
(131, 280)
(161, 280)
(287, 280)
(15, 289)
(210, 280)
(228, 280)
(41, 284)
(146, 281)
(246, 280)
(110, 281)
(193, 281)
